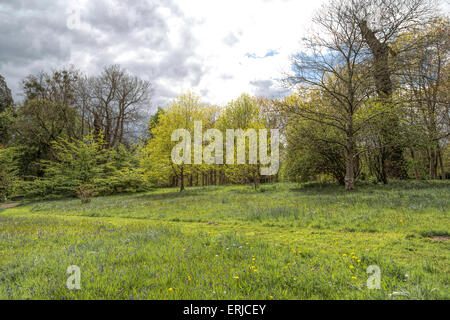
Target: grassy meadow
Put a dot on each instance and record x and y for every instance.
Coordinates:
(284, 241)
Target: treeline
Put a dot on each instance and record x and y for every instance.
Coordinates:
(370, 103)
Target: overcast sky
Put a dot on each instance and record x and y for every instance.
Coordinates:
(219, 49)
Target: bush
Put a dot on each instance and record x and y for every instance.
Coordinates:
(86, 192)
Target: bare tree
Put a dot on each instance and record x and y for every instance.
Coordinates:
(380, 22)
(112, 102)
(333, 72)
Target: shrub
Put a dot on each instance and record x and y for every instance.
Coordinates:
(86, 192)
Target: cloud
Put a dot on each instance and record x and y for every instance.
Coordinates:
(217, 49)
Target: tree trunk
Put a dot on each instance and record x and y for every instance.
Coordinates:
(182, 179)
(416, 172)
(441, 163)
(349, 164)
(433, 164)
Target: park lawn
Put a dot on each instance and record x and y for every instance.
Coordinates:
(284, 241)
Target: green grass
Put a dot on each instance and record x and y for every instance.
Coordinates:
(285, 241)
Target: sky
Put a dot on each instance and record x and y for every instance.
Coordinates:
(217, 49)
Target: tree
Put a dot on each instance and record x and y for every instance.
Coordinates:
(38, 124)
(380, 22)
(334, 77)
(110, 103)
(244, 114)
(181, 114)
(309, 152)
(6, 119)
(5, 95)
(8, 172)
(425, 88)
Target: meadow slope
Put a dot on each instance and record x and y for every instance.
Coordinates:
(285, 241)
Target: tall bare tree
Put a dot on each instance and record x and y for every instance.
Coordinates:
(380, 22)
(333, 73)
(111, 102)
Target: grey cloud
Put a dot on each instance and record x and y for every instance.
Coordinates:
(34, 37)
(268, 88)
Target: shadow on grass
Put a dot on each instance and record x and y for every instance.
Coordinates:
(168, 195)
(364, 187)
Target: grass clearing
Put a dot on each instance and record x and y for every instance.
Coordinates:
(284, 241)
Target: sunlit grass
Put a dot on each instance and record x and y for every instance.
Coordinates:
(282, 242)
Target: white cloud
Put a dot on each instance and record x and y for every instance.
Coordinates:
(231, 30)
(217, 48)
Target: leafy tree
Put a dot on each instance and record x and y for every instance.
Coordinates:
(242, 113)
(8, 172)
(310, 153)
(425, 84)
(38, 125)
(5, 95)
(6, 103)
(6, 124)
(158, 163)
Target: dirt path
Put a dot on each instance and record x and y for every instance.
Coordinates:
(9, 205)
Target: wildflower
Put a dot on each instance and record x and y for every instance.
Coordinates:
(344, 255)
(271, 297)
(354, 278)
(170, 289)
(189, 278)
(236, 277)
(352, 267)
(401, 221)
(359, 260)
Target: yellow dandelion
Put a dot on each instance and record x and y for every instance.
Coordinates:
(271, 297)
(236, 277)
(344, 255)
(352, 267)
(189, 278)
(359, 260)
(170, 289)
(354, 278)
